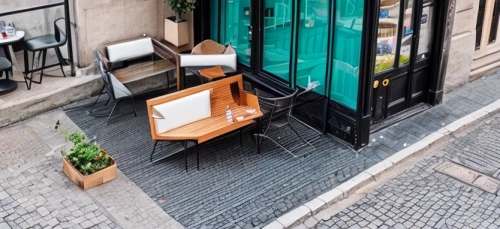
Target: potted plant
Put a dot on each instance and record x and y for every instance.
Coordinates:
(86, 163)
(176, 28)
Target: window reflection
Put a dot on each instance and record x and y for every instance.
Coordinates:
(277, 37)
(235, 27)
(405, 52)
(347, 54)
(425, 40)
(387, 34)
(313, 44)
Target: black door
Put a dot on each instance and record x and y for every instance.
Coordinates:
(403, 56)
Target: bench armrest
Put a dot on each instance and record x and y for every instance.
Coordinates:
(250, 100)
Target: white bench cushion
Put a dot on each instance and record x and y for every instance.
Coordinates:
(227, 61)
(130, 49)
(183, 111)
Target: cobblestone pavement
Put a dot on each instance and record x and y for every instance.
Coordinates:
(35, 193)
(423, 198)
(238, 188)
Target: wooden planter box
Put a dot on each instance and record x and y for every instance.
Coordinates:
(90, 181)
(177, 33)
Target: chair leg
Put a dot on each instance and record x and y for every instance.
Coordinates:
(258, 135)
(99, 96)
(44, 56)
(26, 69)
(61, 60)
(133, 106)
(185, 156)
(152, 153)
(112, 110)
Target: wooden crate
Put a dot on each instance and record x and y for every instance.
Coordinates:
(90, 181)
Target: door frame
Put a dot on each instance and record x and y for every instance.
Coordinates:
(442, 33)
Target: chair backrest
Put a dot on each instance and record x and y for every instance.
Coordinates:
(208, 47)
(60, 31)
(130, 49)
(114, 87)
(278, 106)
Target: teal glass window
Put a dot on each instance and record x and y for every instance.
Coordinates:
(214, 20)
(347, 54)
(235, 28)
(277, 37)
(312, 44)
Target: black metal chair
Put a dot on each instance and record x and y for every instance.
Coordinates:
(113, 88)
(277, 114)
(41, 44)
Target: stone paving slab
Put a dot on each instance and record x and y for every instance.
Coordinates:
(35, 193)
(237, 188)
(421, 197)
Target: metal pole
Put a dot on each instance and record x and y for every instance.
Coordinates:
(68, 34)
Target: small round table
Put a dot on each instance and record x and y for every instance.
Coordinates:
(7, 85)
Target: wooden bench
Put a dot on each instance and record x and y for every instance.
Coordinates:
(198, 114)
(127, 59)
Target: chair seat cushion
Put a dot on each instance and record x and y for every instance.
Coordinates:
(4, 64)
(212, 73)
(41, 43)
(183, 111)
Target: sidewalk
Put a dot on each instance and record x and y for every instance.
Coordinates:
(34, 193)
(421, 197)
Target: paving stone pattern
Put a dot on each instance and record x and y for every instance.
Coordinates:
(20, 145)
(42, 197)
(34, 192)
(238, 188)
(423, 198)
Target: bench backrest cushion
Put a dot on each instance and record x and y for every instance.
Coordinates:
(183, 111)
(130, 50)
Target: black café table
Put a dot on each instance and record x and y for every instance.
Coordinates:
(7, 85)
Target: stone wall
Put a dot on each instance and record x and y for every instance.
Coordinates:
(462, 44)
(100, 22)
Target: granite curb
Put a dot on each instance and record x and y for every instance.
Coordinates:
(301, 213)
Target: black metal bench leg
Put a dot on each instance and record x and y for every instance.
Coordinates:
(152, 153)
(185, 156)
(198, 156)
(241, 138)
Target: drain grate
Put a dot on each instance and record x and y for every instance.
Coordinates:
(469, 176)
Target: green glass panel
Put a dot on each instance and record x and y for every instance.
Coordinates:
(277, 37)
(235, 27)
(214, 20)
(312, 44)
(347, 51)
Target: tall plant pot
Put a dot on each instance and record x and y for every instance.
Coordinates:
(92, 180)
(177, 33)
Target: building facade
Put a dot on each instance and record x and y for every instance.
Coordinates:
(374, 62)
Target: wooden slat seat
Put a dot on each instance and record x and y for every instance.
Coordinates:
(209, 128)
(143, 70)
(226, 92)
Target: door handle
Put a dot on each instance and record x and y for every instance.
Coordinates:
(375, 84)
(385, 83)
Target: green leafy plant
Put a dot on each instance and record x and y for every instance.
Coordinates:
(86, 156)
(181, 7)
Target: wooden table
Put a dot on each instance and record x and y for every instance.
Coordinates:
(171, 52)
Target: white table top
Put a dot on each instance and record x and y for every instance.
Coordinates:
(12, 39)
